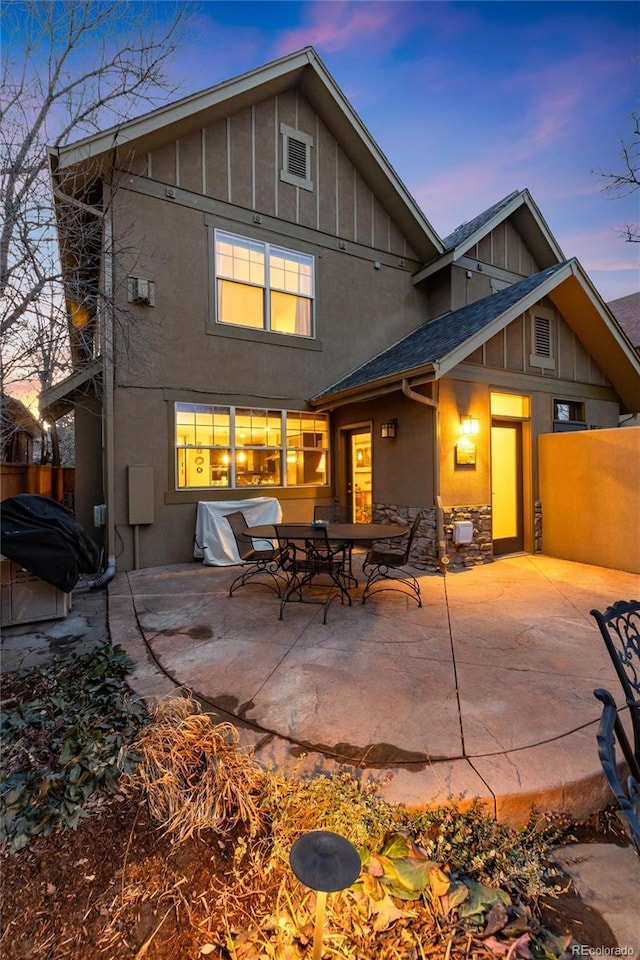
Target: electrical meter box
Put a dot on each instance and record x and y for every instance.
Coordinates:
(25, 598)
(462, 531)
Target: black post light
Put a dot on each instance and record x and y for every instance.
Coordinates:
(325, 862)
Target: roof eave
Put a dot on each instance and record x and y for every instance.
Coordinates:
(304, 69)
(61, 397)
(523, 199)
(614, 352)
(374, 388)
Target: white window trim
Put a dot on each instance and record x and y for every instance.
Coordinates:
(266, 288)
(233, 448)
(287, 132)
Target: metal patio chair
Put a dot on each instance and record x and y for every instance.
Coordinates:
(611, 734)
(338, 513)
(385, 567)
(265, 564)
(312, 561)
(620, 627)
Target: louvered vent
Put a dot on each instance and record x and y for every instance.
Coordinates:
(297, 158)
(542, 337)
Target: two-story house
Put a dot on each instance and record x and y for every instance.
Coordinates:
(258, 306)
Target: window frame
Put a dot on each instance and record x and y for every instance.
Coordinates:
(234, 447)
(569, 424)
(271, 250)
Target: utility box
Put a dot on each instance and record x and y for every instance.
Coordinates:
(462, 532)
(140, 495)
(25, 598)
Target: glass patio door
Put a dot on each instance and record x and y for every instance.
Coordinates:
(506, 487)
(359, 474)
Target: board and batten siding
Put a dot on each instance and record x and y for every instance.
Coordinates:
(510, 349)
(238, 160)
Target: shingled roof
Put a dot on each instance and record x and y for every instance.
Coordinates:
(466, 230)
(626, 310)
(436, 339)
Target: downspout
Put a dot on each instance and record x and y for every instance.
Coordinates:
(443, 559)
(107, 384)
(108, 378)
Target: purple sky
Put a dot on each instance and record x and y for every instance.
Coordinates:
(468, 100)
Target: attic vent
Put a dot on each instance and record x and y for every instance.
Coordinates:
(296, 157)
(542, 336)
(541, 340)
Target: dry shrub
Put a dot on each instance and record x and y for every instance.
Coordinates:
(195, 778)
(193, 775)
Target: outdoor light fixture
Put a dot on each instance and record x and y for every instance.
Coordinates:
(324, 862)
(470, 426)
(389, 429)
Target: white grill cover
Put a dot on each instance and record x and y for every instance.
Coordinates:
(214, 542)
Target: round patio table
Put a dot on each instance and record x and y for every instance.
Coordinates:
(344, 532)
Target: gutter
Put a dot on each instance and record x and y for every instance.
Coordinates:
(443, 559)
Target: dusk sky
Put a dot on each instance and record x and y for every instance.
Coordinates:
(469, 101)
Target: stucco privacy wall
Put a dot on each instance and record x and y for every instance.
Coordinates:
(590, 494)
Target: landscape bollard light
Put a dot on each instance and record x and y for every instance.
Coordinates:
(325, 862)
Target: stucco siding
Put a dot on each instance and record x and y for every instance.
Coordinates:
(511, 349)
(402, 468)
(589, 522)
(176, 343)
(238, 160)
(505, 249)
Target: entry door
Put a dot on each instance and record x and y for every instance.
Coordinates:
(359, 474)
(506, 487)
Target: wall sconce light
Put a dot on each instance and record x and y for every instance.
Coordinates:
(389, 429)
(470, 426)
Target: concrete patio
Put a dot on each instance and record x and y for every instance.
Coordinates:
(486, 691)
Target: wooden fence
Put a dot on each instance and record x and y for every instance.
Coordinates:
(55, 482)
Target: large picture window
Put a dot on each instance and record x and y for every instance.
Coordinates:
(234, 447)
(263, 286)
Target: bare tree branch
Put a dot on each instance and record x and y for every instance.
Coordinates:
(69, 69)
(626, 180)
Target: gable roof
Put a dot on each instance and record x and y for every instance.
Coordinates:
(520, 207)
(15, 414)
(460, 236)
(626, 310)
(303, 70)
(434, 349)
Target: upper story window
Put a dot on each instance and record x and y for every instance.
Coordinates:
(219, 446)
(263, 286)
(296, 157)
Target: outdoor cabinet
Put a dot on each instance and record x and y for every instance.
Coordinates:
(26, 598)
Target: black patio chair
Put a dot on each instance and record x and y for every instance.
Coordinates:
(266, 564)
(312, 560)
(385, 566)
(620, 628)
(338, 513)
(627, 792)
